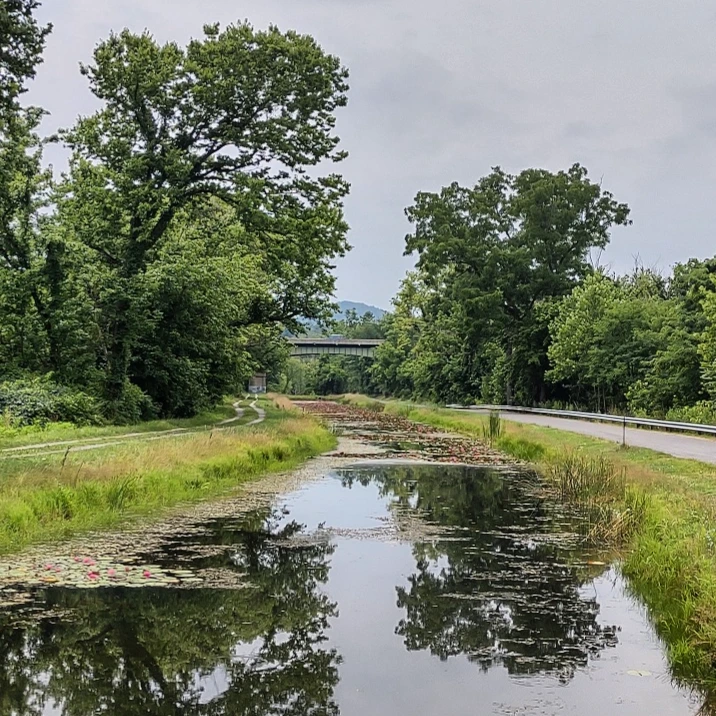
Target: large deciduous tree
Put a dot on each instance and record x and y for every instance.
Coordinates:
(22, 40)
(497, 254)
(241, 116)
(26, 257)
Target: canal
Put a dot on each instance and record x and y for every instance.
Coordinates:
(378, 587)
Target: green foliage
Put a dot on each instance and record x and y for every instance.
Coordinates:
(188, 231)
(707, 347)
(180, 126)
(21, 48)
(703, 412)
(132, 405)
(27, 401)
(493, 261)
(505, 307)
(393, 371)
(630, 343)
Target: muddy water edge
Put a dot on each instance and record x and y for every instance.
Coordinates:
(409, 572)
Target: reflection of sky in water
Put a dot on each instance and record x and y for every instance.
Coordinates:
(328, 502)
(379, 676)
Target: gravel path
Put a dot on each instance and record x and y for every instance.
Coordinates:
(59, 447)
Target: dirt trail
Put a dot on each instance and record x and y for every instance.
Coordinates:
(260, 412)
(59, 447)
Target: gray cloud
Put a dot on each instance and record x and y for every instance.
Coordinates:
(443, 91)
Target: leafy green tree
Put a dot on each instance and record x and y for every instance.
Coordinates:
(241, 116)
(23, 187)
(198, 340)
(297, 377)
(28, 259)
(496, 253)
(619, 343)
(707, 345)
(392, 370)
(23, 41)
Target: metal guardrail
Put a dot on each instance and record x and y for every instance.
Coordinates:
(623, 420)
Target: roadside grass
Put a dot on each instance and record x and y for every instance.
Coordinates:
(13, 437)
(669, 547)
(51, 497)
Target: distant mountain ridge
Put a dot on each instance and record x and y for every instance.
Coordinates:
(359, 308)
(343, 307)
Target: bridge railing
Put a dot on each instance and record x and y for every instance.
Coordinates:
(623, 420)
(360, 347)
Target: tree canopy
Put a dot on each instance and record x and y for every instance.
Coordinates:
(492, 260)
(198, 217)
(507, 305)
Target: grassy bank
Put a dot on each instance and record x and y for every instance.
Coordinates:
(49, 497)
(11, 436)
(670, 555)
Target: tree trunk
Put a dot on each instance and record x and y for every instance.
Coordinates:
(118, 351)
(508, 384)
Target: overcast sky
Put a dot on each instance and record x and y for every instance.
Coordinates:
(442, 90)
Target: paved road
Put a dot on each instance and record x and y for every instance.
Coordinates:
(688, 446)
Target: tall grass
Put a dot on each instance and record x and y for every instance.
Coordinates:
(671, 567)
(581, 478)
(611, 510)
(492, 429)
(44, 500)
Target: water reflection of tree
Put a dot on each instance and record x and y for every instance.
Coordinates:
(497, 592)
(152, 651)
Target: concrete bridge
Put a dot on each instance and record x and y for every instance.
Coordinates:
(363, 347)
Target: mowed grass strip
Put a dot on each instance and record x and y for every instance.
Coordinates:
(669, 560)
(56, 496)
(11, 436)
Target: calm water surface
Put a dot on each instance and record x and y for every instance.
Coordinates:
(479, 602)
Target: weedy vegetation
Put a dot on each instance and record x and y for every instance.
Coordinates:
(50, 496)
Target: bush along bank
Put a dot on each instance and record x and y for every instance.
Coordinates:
(55, 496)
(659, 511)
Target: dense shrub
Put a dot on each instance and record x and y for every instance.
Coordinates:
(133, 406)
(28, 401)
(703, 412)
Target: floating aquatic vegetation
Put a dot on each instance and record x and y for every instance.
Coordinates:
(88, 572)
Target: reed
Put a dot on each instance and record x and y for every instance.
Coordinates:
(492, 429)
